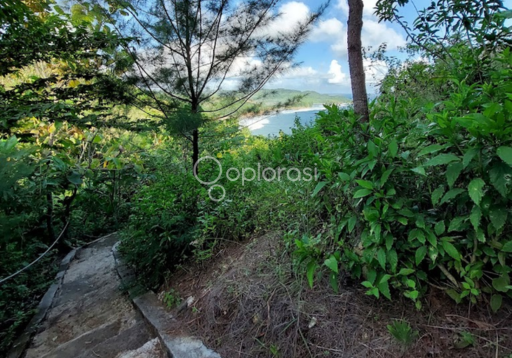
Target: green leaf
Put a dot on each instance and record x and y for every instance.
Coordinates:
(365, 184)
(406, 272)
(402, 220)
(430, 149)
(496, 301)
(319, 187)
(310, 272)
(384, 289)
(499, 176)
(362, 193)
(420, 254)
(344, 177)
(381, 257)
(507, 247)
(393, 149)
(385, 177)
(498, 217)
(505, 153)
(436, 195)
(332, 263)
(468, 157)
(475, 190)
(452, 194)
(419, 170)
(392, 259)
(442, 159)
(450, 250)
(389, 242)
(475, 217)
(456, 224)
(452, 173)
(440, 228)
(75, 178)
(500, 283)
(454, 295)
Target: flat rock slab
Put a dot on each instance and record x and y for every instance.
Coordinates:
(90, 316)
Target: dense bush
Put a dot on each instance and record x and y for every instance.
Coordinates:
(423, 200)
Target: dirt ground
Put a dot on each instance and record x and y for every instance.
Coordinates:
(248, 302)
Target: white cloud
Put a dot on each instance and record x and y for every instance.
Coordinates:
(290, 15)
(375, 71)
(336, 75)
(374, 33)
(327, 30)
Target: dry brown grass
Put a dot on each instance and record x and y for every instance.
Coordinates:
(249, 302)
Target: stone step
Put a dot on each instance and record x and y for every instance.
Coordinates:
(152, 349)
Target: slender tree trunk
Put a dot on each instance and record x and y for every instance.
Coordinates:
(355, 59)
(195, 142)
(195, 150)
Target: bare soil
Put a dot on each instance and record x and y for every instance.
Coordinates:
(249, 302)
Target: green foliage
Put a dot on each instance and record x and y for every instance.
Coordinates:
(411, 201)
(403, 333)
(172, 299)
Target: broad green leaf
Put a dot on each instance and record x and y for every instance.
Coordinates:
(419, 170)
(500, 175)
(362, 193)
(430, 149)
(468, 157)
(420, 254)
(452, 194)
(505, 153)
(452, 173)
(372, 149)
(440, 228)
(319, 187)
(384, 289)
(381, 257)
(475, 217)
(507, 247)
(454, 295)
(456, 224)
(75, 178)
(385, 177)
(389, 242)
(332, 263)
(442, 159)
(500, 283)
(496, 301)
(344, 177)
(393, 148)
(392, 259)
(365, 184)
(402, 220)
(310, 272)
(406, 271)
(450, 250)
(475, 190)
(498, 217)
(436, 195)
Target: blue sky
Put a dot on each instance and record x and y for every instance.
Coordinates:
(323, 58)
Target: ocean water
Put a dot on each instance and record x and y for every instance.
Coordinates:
(282, 121)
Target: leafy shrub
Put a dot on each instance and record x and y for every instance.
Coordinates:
(416, 201)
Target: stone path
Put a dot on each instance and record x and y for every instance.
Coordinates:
(90, 317)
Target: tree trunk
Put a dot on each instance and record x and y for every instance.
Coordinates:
(195, 141)
(355, 59)
(195, 150)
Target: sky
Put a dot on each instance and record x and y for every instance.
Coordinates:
(323, 57)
